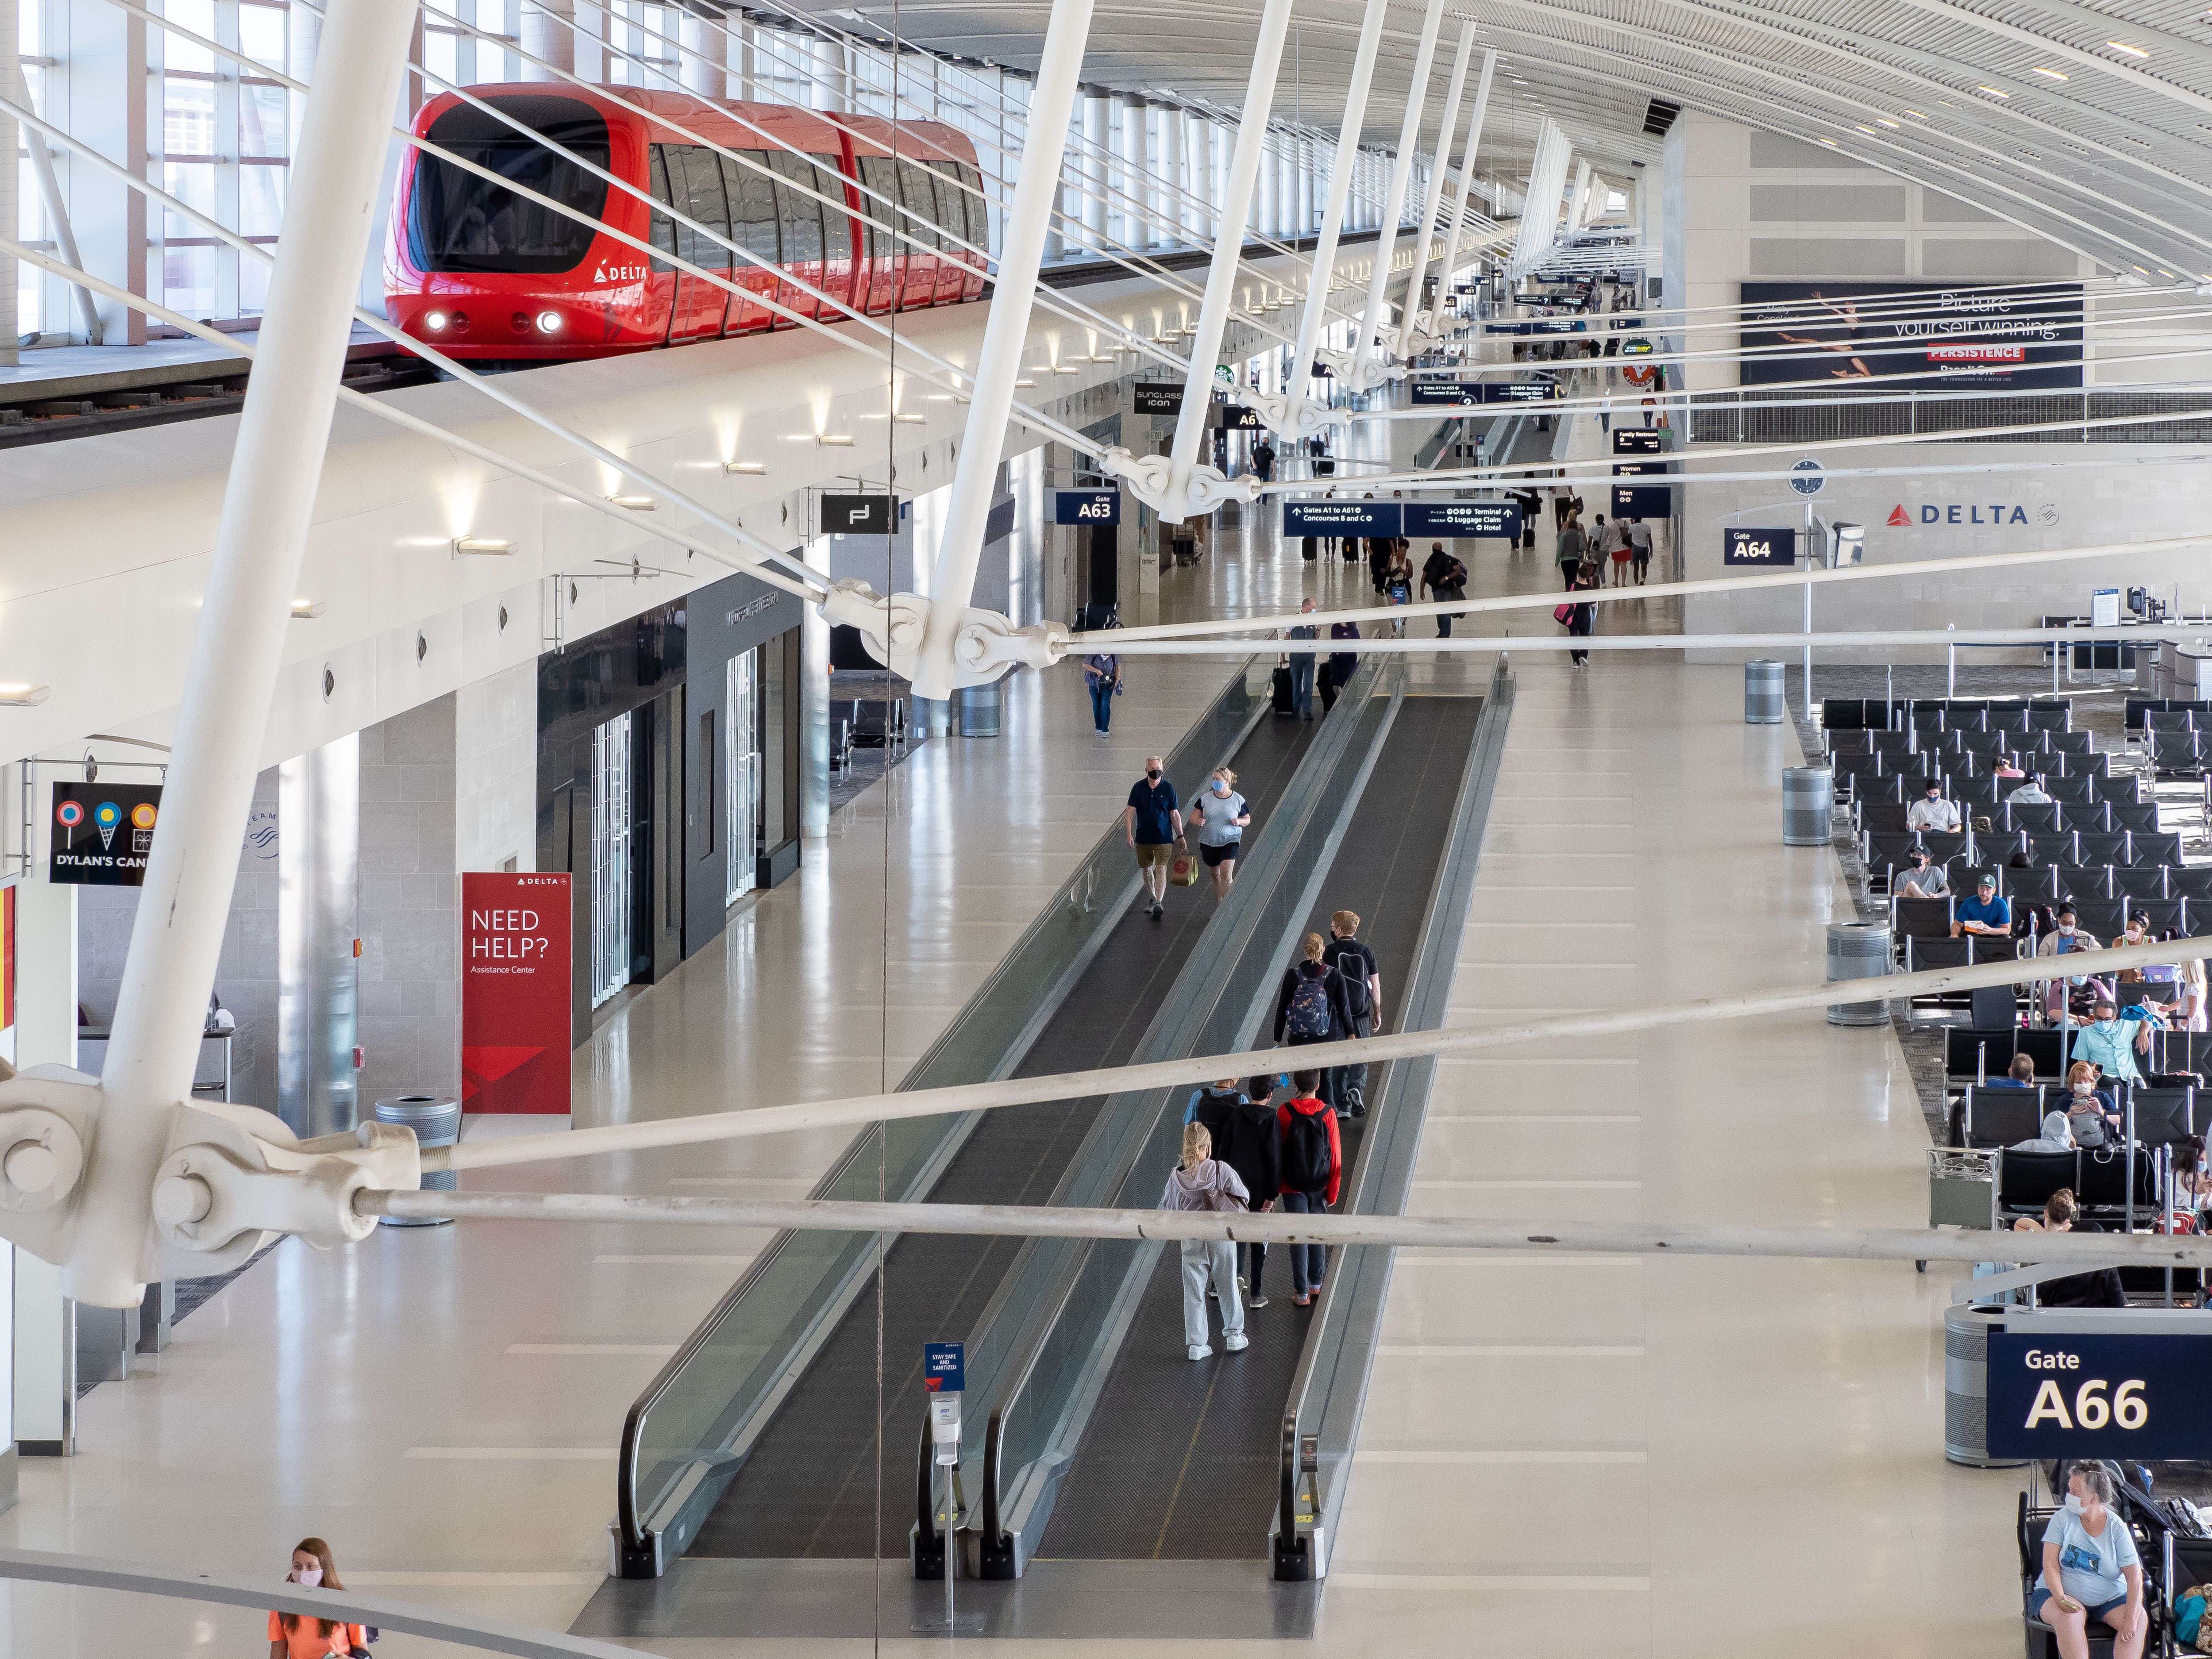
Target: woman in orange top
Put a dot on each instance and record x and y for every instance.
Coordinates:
(296, 1636)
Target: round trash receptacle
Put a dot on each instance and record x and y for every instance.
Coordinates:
(1764, 699)
(436, 1122)
(1858, 950)
(1808, 805)
(1966, 1388)
(931, 717)
(978, 710)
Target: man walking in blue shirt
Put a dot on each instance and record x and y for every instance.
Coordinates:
(1152, 824)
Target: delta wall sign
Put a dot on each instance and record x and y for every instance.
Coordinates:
(1968, 515)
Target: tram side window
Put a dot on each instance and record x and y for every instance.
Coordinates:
(919, 197)
(876, 174)
(700, 199)
(979, 211)
(663, 234)
(836, 223)
(751, 191)
(799, 214)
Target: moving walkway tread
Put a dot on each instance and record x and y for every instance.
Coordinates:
(809, 1487)
(1182, 1460)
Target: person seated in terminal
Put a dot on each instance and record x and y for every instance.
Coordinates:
(2189, 1012)
(1932, 812)
(2053, 1137)
(2092, 1571)
(2192, 1180)
(2022, 1075)
(1202, 1182)
(2100, 1288)
(1987, 912)
(2093, 1115)
(2110, 1043)
(2064, 938)
(1923, 878)
(2029, 794)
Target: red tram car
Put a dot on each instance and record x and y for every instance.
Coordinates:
(481, 272)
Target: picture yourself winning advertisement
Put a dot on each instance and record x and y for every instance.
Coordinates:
(516, 965)
(1913, 335)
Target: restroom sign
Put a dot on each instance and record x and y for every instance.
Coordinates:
(101, 835)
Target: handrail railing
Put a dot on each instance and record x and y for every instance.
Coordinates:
(756, 1340)
(1328, 1389)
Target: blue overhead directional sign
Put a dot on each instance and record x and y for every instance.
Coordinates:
(1342, 519)
(1463, 518)
(1458, 394)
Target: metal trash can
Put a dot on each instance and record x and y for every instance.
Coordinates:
(436, 1122)
(1858, 949)
(1808, 805)
(978, 710)
(1764, 701)
(932, 717)
(1966, 1387)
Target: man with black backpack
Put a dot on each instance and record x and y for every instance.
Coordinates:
(1313, 1167)
(1444, 578)
(1312, 1007)
(1363, 996)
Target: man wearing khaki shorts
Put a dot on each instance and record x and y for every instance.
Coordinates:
(1153, 823)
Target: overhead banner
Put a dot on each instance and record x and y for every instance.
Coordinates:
(1457, 394)
(1342, 519)
(1928, 333)
(1463, 518)
(1156, 399)
(2100, 1396)
(1086, 506)
(102, 833)
(516, 966)
(1757, 549)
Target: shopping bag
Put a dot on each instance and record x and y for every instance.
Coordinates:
(1183, 872)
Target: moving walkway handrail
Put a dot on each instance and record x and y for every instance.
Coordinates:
(1380, 1178)
(986, 1040)
(1051, 1277)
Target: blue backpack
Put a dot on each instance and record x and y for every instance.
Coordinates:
(1307, 1017)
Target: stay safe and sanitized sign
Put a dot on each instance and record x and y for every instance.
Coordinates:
(2098, 1396)
(944, 1367)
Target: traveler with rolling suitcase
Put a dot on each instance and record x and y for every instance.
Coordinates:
(1302, 664)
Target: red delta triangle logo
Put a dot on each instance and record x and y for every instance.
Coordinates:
(1897, 516)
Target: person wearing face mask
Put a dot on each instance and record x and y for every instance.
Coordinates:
(300, 1636)
(2110, 1043)
(1932, 812)
(1924, 879)
(1222, 815)
(2065, 938)
(2092, 1117)
(1152, 824)
(2092, 1571)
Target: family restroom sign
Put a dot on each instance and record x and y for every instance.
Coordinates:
(516, 969)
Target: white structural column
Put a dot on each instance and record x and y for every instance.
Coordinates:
(547, 35)
(1578, 198)
(1180, 489)
(1434, 197)
(935, 670)
(1092, 165)
(1288, 414)
(1467, 172)
(1367, 360)
(275, 467)
(11, 180)
(705, 53)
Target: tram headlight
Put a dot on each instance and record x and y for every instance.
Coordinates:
(434, 321)
(548, 322)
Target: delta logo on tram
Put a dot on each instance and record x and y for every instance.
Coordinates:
(1970, 513)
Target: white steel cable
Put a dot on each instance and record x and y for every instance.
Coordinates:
(2143, 634)
(852, 1112)
(397, 416)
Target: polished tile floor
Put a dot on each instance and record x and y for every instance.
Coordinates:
(1676, 1458)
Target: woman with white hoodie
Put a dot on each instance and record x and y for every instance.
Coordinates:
(1202, 1182)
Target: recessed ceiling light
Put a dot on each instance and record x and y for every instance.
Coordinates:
(24, 697)
(635, 503)
(1915, 115)
(905, 419)
(306, 610)
(834, 439)
(2122, 45)
(1830, 143)
(1993, 92)
(1870, 132)
(492, 545)
(2049, 74)
(1029, 384)
(1891, 125)
(749, 469)
(1066, 368)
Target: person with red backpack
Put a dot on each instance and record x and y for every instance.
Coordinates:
(1313, 1167)
(1312, 1005)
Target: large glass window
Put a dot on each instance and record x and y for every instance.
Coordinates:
(461, 221)
(641, 42)
(611, 859)
(744, 772)
(224, 150)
